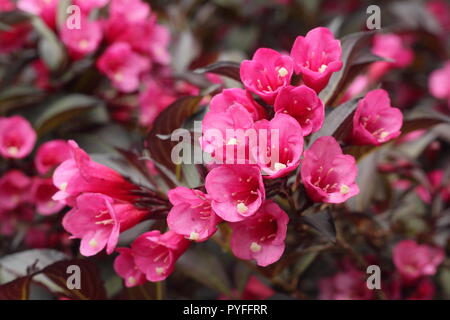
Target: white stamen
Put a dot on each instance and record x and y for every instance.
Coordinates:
(282, 72)
(241, 207)
(278, 166)
(194, 236)
(63, 186)
(255, 247)
(93, 243)
(13, 151)
(344, 189)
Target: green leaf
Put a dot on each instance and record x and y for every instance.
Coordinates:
(18, 289)
(206, 268)
(63, 110)
(224, 68)
(50, 48)
(19, 96)
(19, 265)
(355, 55)
(367, 182)
(92, 286)
(338, 122)
(322, 222)
(172, 118)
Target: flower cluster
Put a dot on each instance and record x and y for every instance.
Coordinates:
(280, 110)
(20, 193)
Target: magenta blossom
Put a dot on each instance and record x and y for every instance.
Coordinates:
(84, 40)
(304, 105)
(122, 66)
(375, 121)
(14, 189)
(129, 10)
(46, 9)
(15, 37)
(80, 174)
(316, 56)
(228, 97)
(345, 285)
(282, 148)
(266, 73)
(41, 194)
(391, 47)
(97, 220)
(237, 191)
(132, 22)
(440, 9)
(436, 185)
(155, 254)
(125, 267)
(87, 6)
(7, 5)
(191, 214)
(439, 83)
(413, 260)
(327, 174)
(261, 237)
(154, 99)
(51, 154)
(17, 137)
(224, 134)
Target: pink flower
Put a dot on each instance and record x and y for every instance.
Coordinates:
(358, 85)
(15, 37)
(414, 261)
(87, 6)
(316, 56)
(80, 174)
(6, 5)
(51, 154)
(133, 22)
(304, 105)
(125, 267)
(375, 121)
(84, 40)
(254, 289)
(224, 134)
(155, 254)
(97, 220)
(439, 83)
(41, 193)
(41, 74)
(129, 10)
(266, 73)
(280, 153)
(345, 285)
(17, 137)
(122, 66)
(441, 11)
(237, 191)
(46, 9)
(154, 99)
(10, 220)
(148, 38)
(327, 174)
(424, 290)
(191, 215)
(261, 237)
(435, 180)
(14, 189)
(228, 97)
(391, 47)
